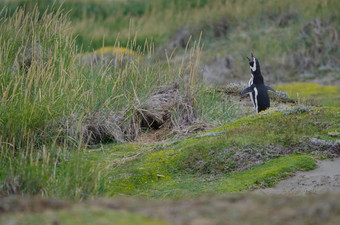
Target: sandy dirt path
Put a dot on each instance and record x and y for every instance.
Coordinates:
(325, 178)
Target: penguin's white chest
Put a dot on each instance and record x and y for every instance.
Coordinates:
(256, 106)
(251, 81)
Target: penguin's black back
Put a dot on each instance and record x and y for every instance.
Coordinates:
(262, 97)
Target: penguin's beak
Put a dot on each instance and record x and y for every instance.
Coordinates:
(252, 59)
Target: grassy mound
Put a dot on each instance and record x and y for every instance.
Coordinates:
(215, 161)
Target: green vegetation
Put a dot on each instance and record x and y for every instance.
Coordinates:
(185, 167)
(44, 86)
(313, 93)
(262, 176)
(49, 91)
(111, 20)
(47, 94)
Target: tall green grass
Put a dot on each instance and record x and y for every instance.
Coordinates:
(98, 19)
(43, 82)
(39, 77)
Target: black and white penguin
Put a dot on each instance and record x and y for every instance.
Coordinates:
(258, 92)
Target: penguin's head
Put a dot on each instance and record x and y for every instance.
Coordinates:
(254, 63)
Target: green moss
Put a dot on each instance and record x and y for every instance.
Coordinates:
(275, 128)
(265, 175)
(149, 169)
(324, 95)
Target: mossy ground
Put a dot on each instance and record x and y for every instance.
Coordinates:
(205, 163)
(182, 167)
(197, 165)
(312, 93)
(265, 175)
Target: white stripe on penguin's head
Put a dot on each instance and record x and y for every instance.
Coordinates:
(253, 68)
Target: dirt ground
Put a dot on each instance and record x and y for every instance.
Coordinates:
(326, 178)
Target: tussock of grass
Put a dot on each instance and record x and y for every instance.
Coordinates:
(39, 80)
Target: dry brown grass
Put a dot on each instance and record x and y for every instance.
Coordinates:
(165, 110)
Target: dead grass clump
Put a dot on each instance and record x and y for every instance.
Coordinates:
(165, 105)
(319, 40)
(103, 127)
(165, 108)
(155, 110)
(93, 129)
(152, 135)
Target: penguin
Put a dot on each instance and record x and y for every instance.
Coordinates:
(258, 92)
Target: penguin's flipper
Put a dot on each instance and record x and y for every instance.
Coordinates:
(270, 89)
(247, 90)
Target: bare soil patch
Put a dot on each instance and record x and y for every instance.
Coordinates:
(326, 178)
